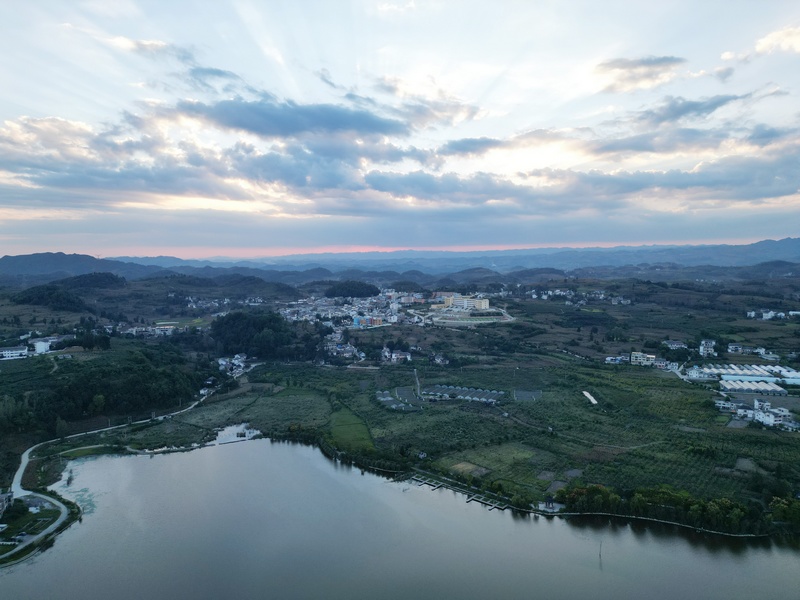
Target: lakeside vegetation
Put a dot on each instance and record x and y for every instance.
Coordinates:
(653, 446)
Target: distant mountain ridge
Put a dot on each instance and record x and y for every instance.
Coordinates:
(766, 259)
(504, 261)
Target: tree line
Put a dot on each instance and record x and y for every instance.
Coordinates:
(267, 336)
(667, 504)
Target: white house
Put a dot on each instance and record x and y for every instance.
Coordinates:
(642, 359)
(707, 348)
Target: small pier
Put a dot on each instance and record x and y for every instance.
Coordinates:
(421, 480)
(471, 494)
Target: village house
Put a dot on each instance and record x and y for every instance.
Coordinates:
(674, 344)
(395, 356)
(707, 348)
(761, 412)
(643, 360)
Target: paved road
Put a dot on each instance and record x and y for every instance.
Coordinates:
(19, 491)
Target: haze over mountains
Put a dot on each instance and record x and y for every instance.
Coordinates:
(438, 262)
(666, 263)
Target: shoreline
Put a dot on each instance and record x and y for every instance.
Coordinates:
(472, 493)
(493, 501)
(435, 480)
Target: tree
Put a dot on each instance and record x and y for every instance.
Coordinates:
(98, 404)
(61, 428)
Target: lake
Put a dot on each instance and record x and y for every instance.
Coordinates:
(259, 519)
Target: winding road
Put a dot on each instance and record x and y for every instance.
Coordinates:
(20, 492)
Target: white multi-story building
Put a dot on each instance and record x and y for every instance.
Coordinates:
(707, 348)
(466, 302)
(642, 359)
(15, 352)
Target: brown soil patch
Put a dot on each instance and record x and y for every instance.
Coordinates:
(468, 468)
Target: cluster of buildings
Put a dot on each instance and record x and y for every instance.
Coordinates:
(395, 356)
(766, 314)
(34, 346)
(747, 379)
(444, 392)
(212, 304)
(768, 373)
(159, 330)
(761, 412)
(376, 311)
(572, 298)
(737, 348)
(234, 366)
(641, 359)
(706, 349)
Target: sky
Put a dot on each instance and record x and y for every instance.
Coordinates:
(261, 128)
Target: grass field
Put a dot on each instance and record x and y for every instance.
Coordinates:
(349, 432)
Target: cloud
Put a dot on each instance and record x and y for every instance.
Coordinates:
(234, 148)
(470, 146)
(668, 140)
(783, 40)
(433, 107)
(482, 145)
(270, 118)
(155, 49)
(205, 79)
(640, 73)
(675, 109)
(764, 135)
(325, 77)
(724, 73)
(723, 181)
(786, 40)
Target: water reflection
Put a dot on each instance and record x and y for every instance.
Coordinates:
(279, 519)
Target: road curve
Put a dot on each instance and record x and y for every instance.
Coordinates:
(19, 491)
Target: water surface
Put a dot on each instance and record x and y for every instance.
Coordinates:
(270, 520)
